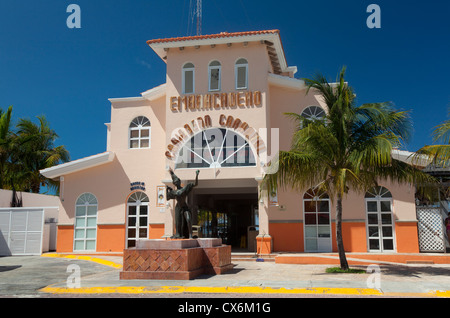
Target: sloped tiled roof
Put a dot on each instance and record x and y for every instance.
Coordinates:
(269, 37)
(212, 36)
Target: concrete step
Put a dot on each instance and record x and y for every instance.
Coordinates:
(252, 257)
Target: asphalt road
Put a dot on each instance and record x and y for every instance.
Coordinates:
(25, 276)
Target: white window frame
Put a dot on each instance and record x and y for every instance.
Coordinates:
(236, 67)
(204, 157)
(314, 113)
(85, 201)
(211, 68)
(378, 199)
(183, 77)
(139, 126)
(137, 199)
(327, 240)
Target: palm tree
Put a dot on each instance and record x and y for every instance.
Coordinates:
(350, 149)
(35, 150)
(5, 141)
(438, 154)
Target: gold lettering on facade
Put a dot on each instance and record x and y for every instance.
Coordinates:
(257, 98)
(202, 123)
(224, 100)
(240, 99)
(248, 98)
(207, 102)
(215, 101)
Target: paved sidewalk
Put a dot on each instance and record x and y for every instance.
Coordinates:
(269, 278)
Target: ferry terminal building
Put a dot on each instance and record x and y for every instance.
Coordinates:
(221, 111)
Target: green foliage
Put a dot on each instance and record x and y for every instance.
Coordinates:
(27, 150)
(439, 153)
(350, 149)
(339, 270)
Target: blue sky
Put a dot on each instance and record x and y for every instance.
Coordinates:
(69, 74)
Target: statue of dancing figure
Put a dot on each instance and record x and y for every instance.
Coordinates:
(182, 212)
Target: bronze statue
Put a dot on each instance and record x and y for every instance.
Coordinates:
(183, 217)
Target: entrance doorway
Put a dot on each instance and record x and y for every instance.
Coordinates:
(231, 216)
(137, 218)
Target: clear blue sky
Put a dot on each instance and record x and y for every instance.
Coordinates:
(69, 74)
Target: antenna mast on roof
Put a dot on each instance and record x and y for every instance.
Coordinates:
(198, 12)
(195, 12)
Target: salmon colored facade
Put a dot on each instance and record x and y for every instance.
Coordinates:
(221, 111)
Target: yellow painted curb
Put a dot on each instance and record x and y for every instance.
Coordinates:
(440, 293)
(236, 290)
(84, 258)
(216, 290)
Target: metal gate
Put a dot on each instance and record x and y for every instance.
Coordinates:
(431, 229)
(21, 231)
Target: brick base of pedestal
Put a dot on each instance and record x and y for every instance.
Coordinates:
(176, 259)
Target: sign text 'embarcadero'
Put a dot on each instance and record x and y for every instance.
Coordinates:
(215, 101)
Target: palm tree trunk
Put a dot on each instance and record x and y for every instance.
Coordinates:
(340, 242)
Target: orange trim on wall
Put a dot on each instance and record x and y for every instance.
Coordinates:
(155, 231)
(110, 238)
(407, 237)
(264, 244)
(354, 237)
(287, 237)
(64, 239)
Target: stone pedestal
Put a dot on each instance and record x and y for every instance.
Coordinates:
(176, 259)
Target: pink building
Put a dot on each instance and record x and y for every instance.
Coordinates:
(221, 111)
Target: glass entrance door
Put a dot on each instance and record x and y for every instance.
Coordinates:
(137, 218)
(316, 221)
(380, 225)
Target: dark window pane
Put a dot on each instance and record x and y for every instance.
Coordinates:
(385, 206)
(310, 218)
(131, 221)
(131, 233)
(143, 221)
(373, 231)
(388, 244)
(131, 210)
(372, 218)
(143, 210)
(324, 206)
(324, 218)
(387, 231)
(371, 206)
(310, 206)
(374, 244)
(386, 219)
(143, 233)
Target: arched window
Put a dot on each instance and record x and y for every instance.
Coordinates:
(85, 229)
(215, 148)
(137, 218)
(380, 223)
(317, 225)
(313, 113)
(214, 73)
(241, 73)
(139, 133)
(188, 75)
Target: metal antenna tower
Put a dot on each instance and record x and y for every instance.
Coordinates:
(198, 13)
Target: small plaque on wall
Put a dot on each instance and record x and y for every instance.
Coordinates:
(138, 185)
(160, 196)
(273, 199)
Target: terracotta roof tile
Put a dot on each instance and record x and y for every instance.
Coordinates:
(212, 36)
